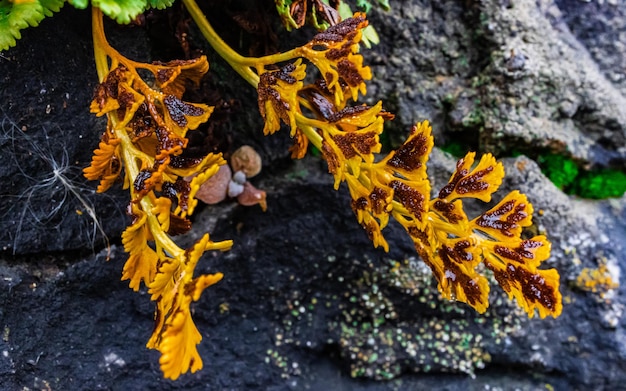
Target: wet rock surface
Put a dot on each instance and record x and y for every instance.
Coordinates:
(306, 301)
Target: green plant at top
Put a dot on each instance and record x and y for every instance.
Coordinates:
(16, 15)
(145, 136)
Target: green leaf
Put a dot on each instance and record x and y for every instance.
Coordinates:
(601, 184)
(15, 17)
(369, 35)
(283, 8)
(122, 11)
(51, 6)
(160, 4)
(365, 5)
(80, 4)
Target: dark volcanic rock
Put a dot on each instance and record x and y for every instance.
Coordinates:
(47, 136)
(306, 301)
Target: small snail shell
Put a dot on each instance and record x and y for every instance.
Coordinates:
(246, 159)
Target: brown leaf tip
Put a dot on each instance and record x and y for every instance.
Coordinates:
(474, 183)
(493, 219)
(349, 73)
(411, 154)
(447, 209)
(179, 109)
(452, 258)
(346, 29)
(534, 287)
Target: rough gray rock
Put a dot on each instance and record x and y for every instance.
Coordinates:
(585, 19)
(511, 72)
(306, 302)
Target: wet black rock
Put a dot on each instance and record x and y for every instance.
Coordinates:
(306, 301)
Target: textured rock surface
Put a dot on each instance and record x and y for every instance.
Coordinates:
(46, 138)
(306, 301)
(513, 74)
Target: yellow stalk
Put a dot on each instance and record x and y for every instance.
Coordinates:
(129, 154)
(102, 66)
(241, 64)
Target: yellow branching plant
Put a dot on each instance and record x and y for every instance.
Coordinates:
(397, 185)
(145, 136)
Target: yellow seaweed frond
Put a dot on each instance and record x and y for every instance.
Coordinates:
(172, 76)
(514, 265)
(478, 182)
(335, 53)
(174, 288)
(180, 116)
(142, 260)
(146, 136)
(105, 163)
(506, 219)
(278, 95)
(397, 184)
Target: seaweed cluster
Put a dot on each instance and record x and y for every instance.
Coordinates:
(313, 91)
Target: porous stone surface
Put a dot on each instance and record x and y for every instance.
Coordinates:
(306, 301)
(514, 74)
